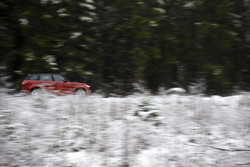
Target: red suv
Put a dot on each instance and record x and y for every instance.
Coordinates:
(34, 84)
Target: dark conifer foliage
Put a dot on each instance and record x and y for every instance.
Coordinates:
(112, 44)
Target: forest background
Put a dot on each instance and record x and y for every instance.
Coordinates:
(116, 45)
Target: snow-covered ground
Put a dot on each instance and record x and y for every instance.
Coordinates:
(136, 131)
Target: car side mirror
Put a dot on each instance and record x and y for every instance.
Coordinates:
(65, 80)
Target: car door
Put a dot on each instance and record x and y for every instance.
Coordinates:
(62, 85)
(47, 83)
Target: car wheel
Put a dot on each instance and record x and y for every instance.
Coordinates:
(36, 92)
(80, 92)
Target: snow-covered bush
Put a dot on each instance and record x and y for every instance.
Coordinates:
(245, 100)
(5, 85)
(198, 87)
(109, 132)
(148, 112)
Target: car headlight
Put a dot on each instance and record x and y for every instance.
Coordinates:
(87, 86)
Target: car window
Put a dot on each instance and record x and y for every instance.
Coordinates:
(45, 77)
(33, 77)
(58, 78)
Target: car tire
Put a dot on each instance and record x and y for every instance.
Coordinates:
(36, 92)
(80, 92)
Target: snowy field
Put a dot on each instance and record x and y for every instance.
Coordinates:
(136, 131)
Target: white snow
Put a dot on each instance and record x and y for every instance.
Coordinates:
(183, 130)
(87, 19)
(23, 21)
(189, 4)
(89, 6)
(75, 35)
(176, 91)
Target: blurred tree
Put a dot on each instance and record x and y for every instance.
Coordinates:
(125, 37)
(244, 15)
(117, 43)
(218, 41)
(11, 39)
(162, 70)
(60, 37)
